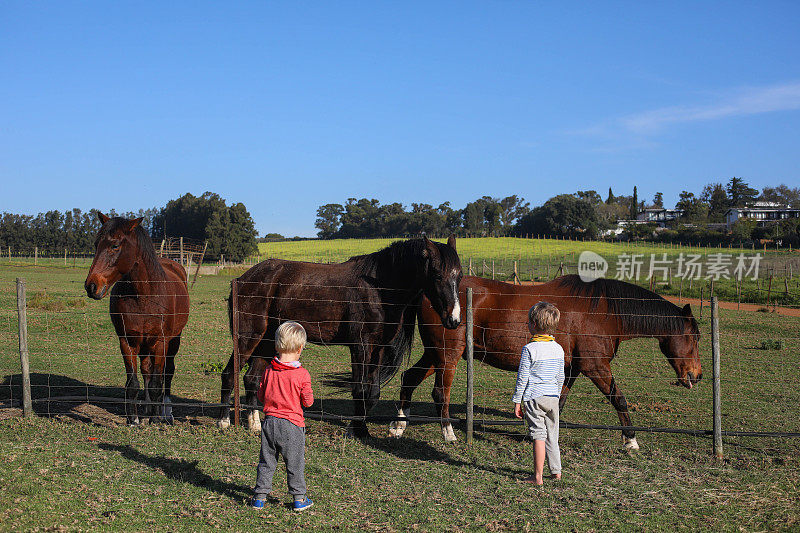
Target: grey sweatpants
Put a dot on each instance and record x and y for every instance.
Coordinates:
(279, 436)
(542, 416)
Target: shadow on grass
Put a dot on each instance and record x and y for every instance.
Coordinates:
(49, 390)
(181, 470)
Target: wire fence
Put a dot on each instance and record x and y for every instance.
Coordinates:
(75, 370)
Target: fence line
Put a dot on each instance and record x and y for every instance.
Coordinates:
(717, 432)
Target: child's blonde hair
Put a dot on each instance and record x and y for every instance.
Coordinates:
(544, 317)
(290, 337)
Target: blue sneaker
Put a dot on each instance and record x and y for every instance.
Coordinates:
(302, 505)
(256, 504)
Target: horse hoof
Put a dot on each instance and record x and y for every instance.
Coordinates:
(448, 433)
(630, 445)
(224, 423)
(133, 422)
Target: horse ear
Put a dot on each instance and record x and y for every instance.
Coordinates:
(687, 310)
(451, 241)
(102, 217)
(135, 222)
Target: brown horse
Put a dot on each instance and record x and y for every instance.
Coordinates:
(149, 307)
(595, 317)
(368, 303)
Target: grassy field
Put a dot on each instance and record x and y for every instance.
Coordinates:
(543, 259)
(77, 466)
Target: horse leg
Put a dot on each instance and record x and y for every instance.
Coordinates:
(251, 332)
(441, 397)
(131, 384)
(366, 388)
(251, 379)
(604, 380)
(146, 363)
(571, 373)
(411, 379)
(169, 373)
(224, 420)
(156, 385)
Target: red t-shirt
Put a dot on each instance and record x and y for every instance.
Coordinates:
(285, 390)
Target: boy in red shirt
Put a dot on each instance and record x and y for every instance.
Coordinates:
(284, 390)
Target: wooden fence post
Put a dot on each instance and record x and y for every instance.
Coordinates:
(235, 328)
(181, 251)
(716, 400)
(35, 255)
(27, 409)
(470, 371)
(202, 255)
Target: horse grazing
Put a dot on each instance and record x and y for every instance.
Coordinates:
(595, 317)
(368, 303)
(149, 307)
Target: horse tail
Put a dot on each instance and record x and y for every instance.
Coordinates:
(400, 346)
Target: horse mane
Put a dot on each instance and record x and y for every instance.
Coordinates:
(639, 310)
(146, 249)
(400, 253)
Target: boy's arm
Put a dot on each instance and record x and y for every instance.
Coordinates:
(262, 386)
(306, 393)
(523, 375)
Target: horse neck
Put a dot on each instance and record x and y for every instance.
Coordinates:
(148, 277)
(401, 283)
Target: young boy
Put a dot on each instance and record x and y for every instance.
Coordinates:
(284, 390)
(539, 381)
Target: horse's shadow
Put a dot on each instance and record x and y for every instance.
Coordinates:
(58, 395)
(181, 470)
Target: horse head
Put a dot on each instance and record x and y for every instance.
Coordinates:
(442, 276)
(681, 350)
(116, 253)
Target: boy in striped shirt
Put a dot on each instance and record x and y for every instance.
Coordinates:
(539, 381)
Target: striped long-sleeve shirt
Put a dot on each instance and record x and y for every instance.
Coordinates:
(541, 371)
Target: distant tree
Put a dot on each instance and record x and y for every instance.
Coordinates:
(694, 209)
(511, 209)
(782, 194)
(715, 196)
(610, 199)
(328, 220)
(563, 215)
(634, 204)
(658, 200)
(740, 193)
(590, 196)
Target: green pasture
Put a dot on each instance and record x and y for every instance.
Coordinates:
(77, 466)
(543, 259)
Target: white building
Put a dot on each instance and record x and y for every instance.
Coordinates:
(763, 212)
(660, 215)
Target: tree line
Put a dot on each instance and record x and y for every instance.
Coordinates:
(229, 230)
(583, 214)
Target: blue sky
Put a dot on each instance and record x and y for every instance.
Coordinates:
(286, 106)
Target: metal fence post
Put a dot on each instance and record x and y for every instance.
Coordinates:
(235, 328)
(27, 409)
(717, 404)
(470, 371)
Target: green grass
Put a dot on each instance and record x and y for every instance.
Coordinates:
(543, 259)
(192, 475)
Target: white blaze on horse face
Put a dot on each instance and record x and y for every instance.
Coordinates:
(456, 314)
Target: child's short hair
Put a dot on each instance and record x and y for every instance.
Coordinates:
(544, 317)
(290, 337)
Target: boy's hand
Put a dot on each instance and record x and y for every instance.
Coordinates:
(518, 410)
